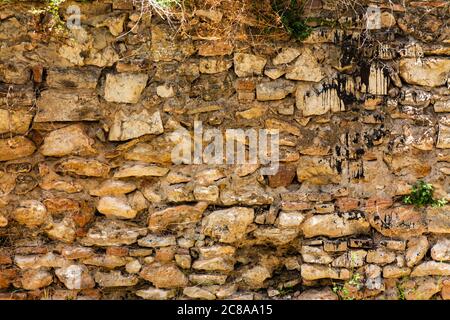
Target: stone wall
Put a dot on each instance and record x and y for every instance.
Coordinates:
(91, 205)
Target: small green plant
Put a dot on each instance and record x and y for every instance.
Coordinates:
(341, 289)
(290, 15)
(52, 10)
(422, 195)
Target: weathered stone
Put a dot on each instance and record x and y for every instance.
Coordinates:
(84, 167)
(207, 279)
(315, 272)
(105, 261)
(208, 194)
(16, 148)
(31, 213)
(70, 140)
(431, 268)
(7, 276)
(417, 248)
(83, 78)
(274, 90)
(442, 106)
(198, 293)
(215, 48)
(116, 207)
(134, 125)
(15, 121)
(315, 255)
(290, 220)
(72, 252)
(284, 176)
(176, 218)
(112, 233)
(140, 170)
(36, 279)
(113, 188)
(350, 259)
(318, 100)
(380, 256)
(400, 222)
(166, 276)
(155, 241)
(75, 277)
(246, 65)
(395, 272)
(156, 294)
(125, 87)
(275, 236)
(115, 279)
(318, 294)
(63, 231)
(443, 141)
(213, 65)
(228, 225)
(254, 277)
(287, 55)
(422, 288)
(438, 220)
(431, 72)
(441, 250)
(68, 105)
(306, 68)
(164, 48)
(49, 260)
(335, 225)
(316, 171)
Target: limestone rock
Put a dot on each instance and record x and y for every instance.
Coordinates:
(165, 276)
(84, 167)
(315, 272)
(70, 140)
(316, 255)
(380, 256)
(49, 260)
(82, 78)
(438, 220)
(443, 141)
(318, 294)
(15, 121)
(116, 207)
(318, 100)
(246, 65)
(306, 68)
(335, 225)
(140, 170)
(417, 249)
(16, 148)
(125, 87)
(112, 233)
(398, 222)
(113, 188)
(214, 65)
(63, 231)
(255, 276)
(431, 72)
(274, 90)
(287, 55)
(431, 268)
(68, 105)
(36, 279)
(350, 259)
(31, 213)
(176, 218)
(275, 236)
(198, 293)
(316, 171)
(155, 294)
(115, 279)
(392, 271)
(75, 277)
(228, 225)
(126, 127)
(441, 250)
(155, 241)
